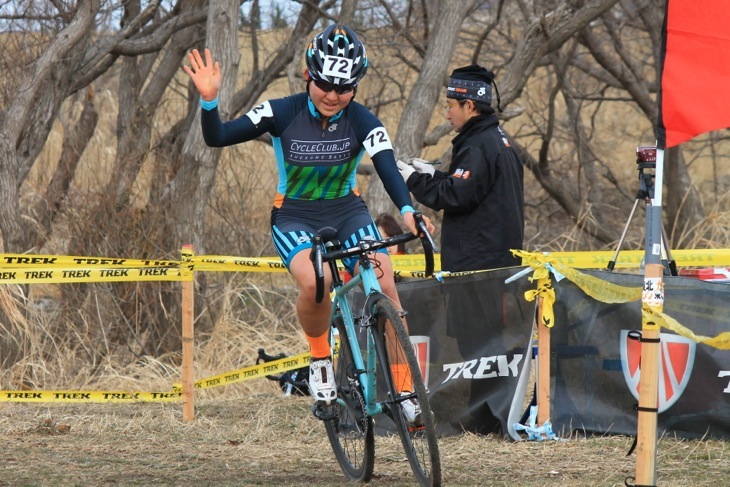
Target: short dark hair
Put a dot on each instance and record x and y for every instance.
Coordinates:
(483, 108)
(391, 227)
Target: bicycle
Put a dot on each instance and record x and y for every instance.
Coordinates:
(366, 388)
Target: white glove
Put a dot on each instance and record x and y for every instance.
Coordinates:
(422, 166)
(405, 170)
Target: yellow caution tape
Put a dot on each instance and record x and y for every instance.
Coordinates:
(607, 292)
(17, 275)
(547, 293)
(246, 373)
(88, 396)
(252, 372)
(409, 264)
(633, 258)
(721, 341)
(38, 260)
(263, 369)
(237, 264)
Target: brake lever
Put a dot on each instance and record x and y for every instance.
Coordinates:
(429, 246)
(422, 227)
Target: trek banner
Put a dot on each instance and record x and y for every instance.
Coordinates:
(596, 361)
(474, 332)
(473, 337)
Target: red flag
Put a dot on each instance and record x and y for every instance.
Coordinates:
(694, 93)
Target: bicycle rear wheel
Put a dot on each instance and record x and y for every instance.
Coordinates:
(393, 346)
(351, 432)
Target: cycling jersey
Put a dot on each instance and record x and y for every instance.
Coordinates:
(315, 163)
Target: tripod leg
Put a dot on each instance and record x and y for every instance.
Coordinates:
(612, 262)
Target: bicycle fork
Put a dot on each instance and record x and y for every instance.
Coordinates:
(365, 374)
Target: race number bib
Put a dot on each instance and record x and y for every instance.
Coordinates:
(377, 140)
(339, 67)
(260, 111)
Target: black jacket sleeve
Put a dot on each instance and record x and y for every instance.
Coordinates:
(460, 190)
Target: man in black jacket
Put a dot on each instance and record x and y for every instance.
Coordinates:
(482, 192)
(482, 198)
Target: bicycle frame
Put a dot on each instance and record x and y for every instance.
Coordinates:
(349, 421)
(341, 305)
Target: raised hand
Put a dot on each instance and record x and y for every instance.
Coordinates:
(205, 74)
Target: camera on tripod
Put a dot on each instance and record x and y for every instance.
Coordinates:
(646, 157)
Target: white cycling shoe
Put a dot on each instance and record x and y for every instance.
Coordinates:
(322, 384)
(411, 409)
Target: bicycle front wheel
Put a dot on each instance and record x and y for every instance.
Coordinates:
(393, 349)
(351, 431)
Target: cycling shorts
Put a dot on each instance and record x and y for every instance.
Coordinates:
(295, 223)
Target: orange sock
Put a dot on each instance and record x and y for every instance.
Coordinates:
(402, 377)
(319, 347)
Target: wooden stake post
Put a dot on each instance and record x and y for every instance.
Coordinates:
(651, 297)
(646, 432)
(188, 380)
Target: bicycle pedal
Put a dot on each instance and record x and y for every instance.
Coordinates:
(324, 412)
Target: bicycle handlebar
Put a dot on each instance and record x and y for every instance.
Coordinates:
(364, 246)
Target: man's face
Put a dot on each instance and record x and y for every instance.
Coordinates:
(458, 112)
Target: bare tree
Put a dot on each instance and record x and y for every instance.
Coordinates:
(561, 67)
(425, 93)
(30, 110)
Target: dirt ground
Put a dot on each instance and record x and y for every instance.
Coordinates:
(268, 439)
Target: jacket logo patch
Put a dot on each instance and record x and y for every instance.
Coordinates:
(461, 174)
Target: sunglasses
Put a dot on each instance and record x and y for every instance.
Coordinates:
(326, 86)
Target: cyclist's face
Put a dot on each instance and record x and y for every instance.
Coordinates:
(329, 102)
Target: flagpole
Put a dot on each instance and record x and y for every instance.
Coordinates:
(652, 298)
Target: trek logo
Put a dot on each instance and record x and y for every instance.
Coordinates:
(484, 368)
(422, 347)
(676, 360)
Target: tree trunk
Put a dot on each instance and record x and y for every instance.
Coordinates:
(423, 97)
(198, 161)
(25, 123)
(77, 135)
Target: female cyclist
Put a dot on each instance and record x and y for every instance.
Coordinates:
(319, 137)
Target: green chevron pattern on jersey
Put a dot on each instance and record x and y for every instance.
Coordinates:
(318, 182)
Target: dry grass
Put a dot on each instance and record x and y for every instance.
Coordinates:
(250, 434)
(268, 439)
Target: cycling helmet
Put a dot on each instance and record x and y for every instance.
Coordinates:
(336, 55)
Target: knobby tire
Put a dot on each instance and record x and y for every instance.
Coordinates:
(420, 444)
(351, 433)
